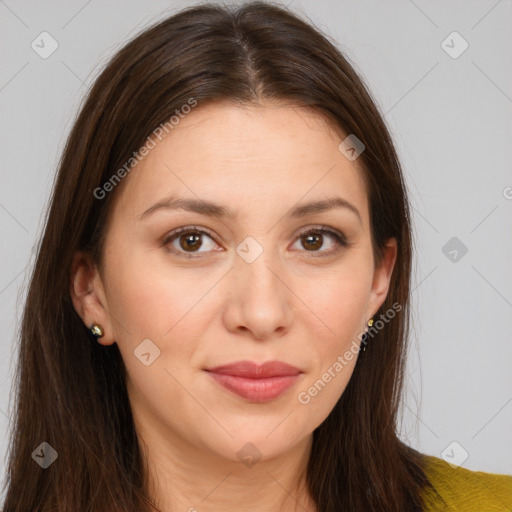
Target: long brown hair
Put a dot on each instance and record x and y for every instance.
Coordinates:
(70, 391)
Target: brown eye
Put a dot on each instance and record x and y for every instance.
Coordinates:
(189, 240)
(313, 239)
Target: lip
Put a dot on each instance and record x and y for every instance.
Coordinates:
(254, 381)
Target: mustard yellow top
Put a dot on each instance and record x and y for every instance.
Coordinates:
(460, 489)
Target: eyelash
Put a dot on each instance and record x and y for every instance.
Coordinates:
(338, 236)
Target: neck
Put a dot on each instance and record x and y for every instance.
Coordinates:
(181, 477)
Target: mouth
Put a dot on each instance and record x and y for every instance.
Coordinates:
(256, 382)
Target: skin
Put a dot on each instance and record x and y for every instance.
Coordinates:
(287, 305)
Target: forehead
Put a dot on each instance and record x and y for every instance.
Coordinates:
(248, 157)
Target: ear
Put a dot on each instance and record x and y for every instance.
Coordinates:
(382, 277)
(88, 296)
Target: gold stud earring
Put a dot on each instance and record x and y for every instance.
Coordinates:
(96, 330)
(364, 339)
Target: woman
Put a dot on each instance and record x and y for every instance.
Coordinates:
(218, 315)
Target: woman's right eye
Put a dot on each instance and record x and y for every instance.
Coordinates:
(187, 241)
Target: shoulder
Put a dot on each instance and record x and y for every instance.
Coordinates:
(456, 488)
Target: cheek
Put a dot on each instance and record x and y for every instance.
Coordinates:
(340, 304)
(150, 296)
(340, 300)
(154, 300)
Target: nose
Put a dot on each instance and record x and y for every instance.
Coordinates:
(260, 301)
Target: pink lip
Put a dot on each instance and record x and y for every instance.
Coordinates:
(256, 382)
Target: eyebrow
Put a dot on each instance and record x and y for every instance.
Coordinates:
(212, 209)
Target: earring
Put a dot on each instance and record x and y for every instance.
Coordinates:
(364, 339)
(96, 330)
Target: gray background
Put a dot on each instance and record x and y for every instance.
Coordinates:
(452, 124)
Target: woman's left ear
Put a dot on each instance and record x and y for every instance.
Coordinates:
(382, 276)
(88, 296)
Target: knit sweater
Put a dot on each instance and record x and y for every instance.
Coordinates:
(459, 489)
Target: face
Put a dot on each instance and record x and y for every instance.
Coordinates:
(257, 278)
